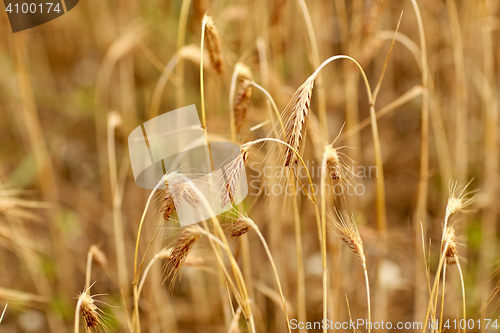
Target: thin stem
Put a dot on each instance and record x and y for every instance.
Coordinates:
(136, 318)
(160, 86)
(202, 91)
(401, 100)
(146, 270)
(136, 272)
(232, 90)
(323, 237)
(381, 210)
(181, 36)
(212, 240)
(424, 161)
(275, 270)
(489, 228)
(202, 87)
(116, 193)
(435, 285)
(442, 300)
(77, 314)
(367, 283)
(427, 274)
(365, 79)
(3, 312)
(464, 305)
(423, 183)
(88, 271)
(299, 253)
(315, 62)
(273, 104)
(379, 83)
(461, 149)
(240, 281)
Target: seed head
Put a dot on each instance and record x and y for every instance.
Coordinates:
(184, 192)
(241, 104)
(168, 204)
(98, 256)
(333, 165)
(451, 251)
(232, 174)
(192, 260)
(213, 44)
(239, 228)
(243, 71)
(336, 169)
(458, 202)
(348, 232)
(180, 251)
(298, 107)
(89, 310)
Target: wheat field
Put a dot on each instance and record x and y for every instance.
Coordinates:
(367, 137)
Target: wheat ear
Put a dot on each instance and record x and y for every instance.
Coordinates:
(90, 312)
(213, 44)
(180, 252)
(348, 232)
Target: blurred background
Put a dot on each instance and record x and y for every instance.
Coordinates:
(72, 90)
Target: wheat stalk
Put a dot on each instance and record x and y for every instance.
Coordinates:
(449, 254)
(3, 312)
(200, 8)
(241, 227)
(96, 254)
(348, 232)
